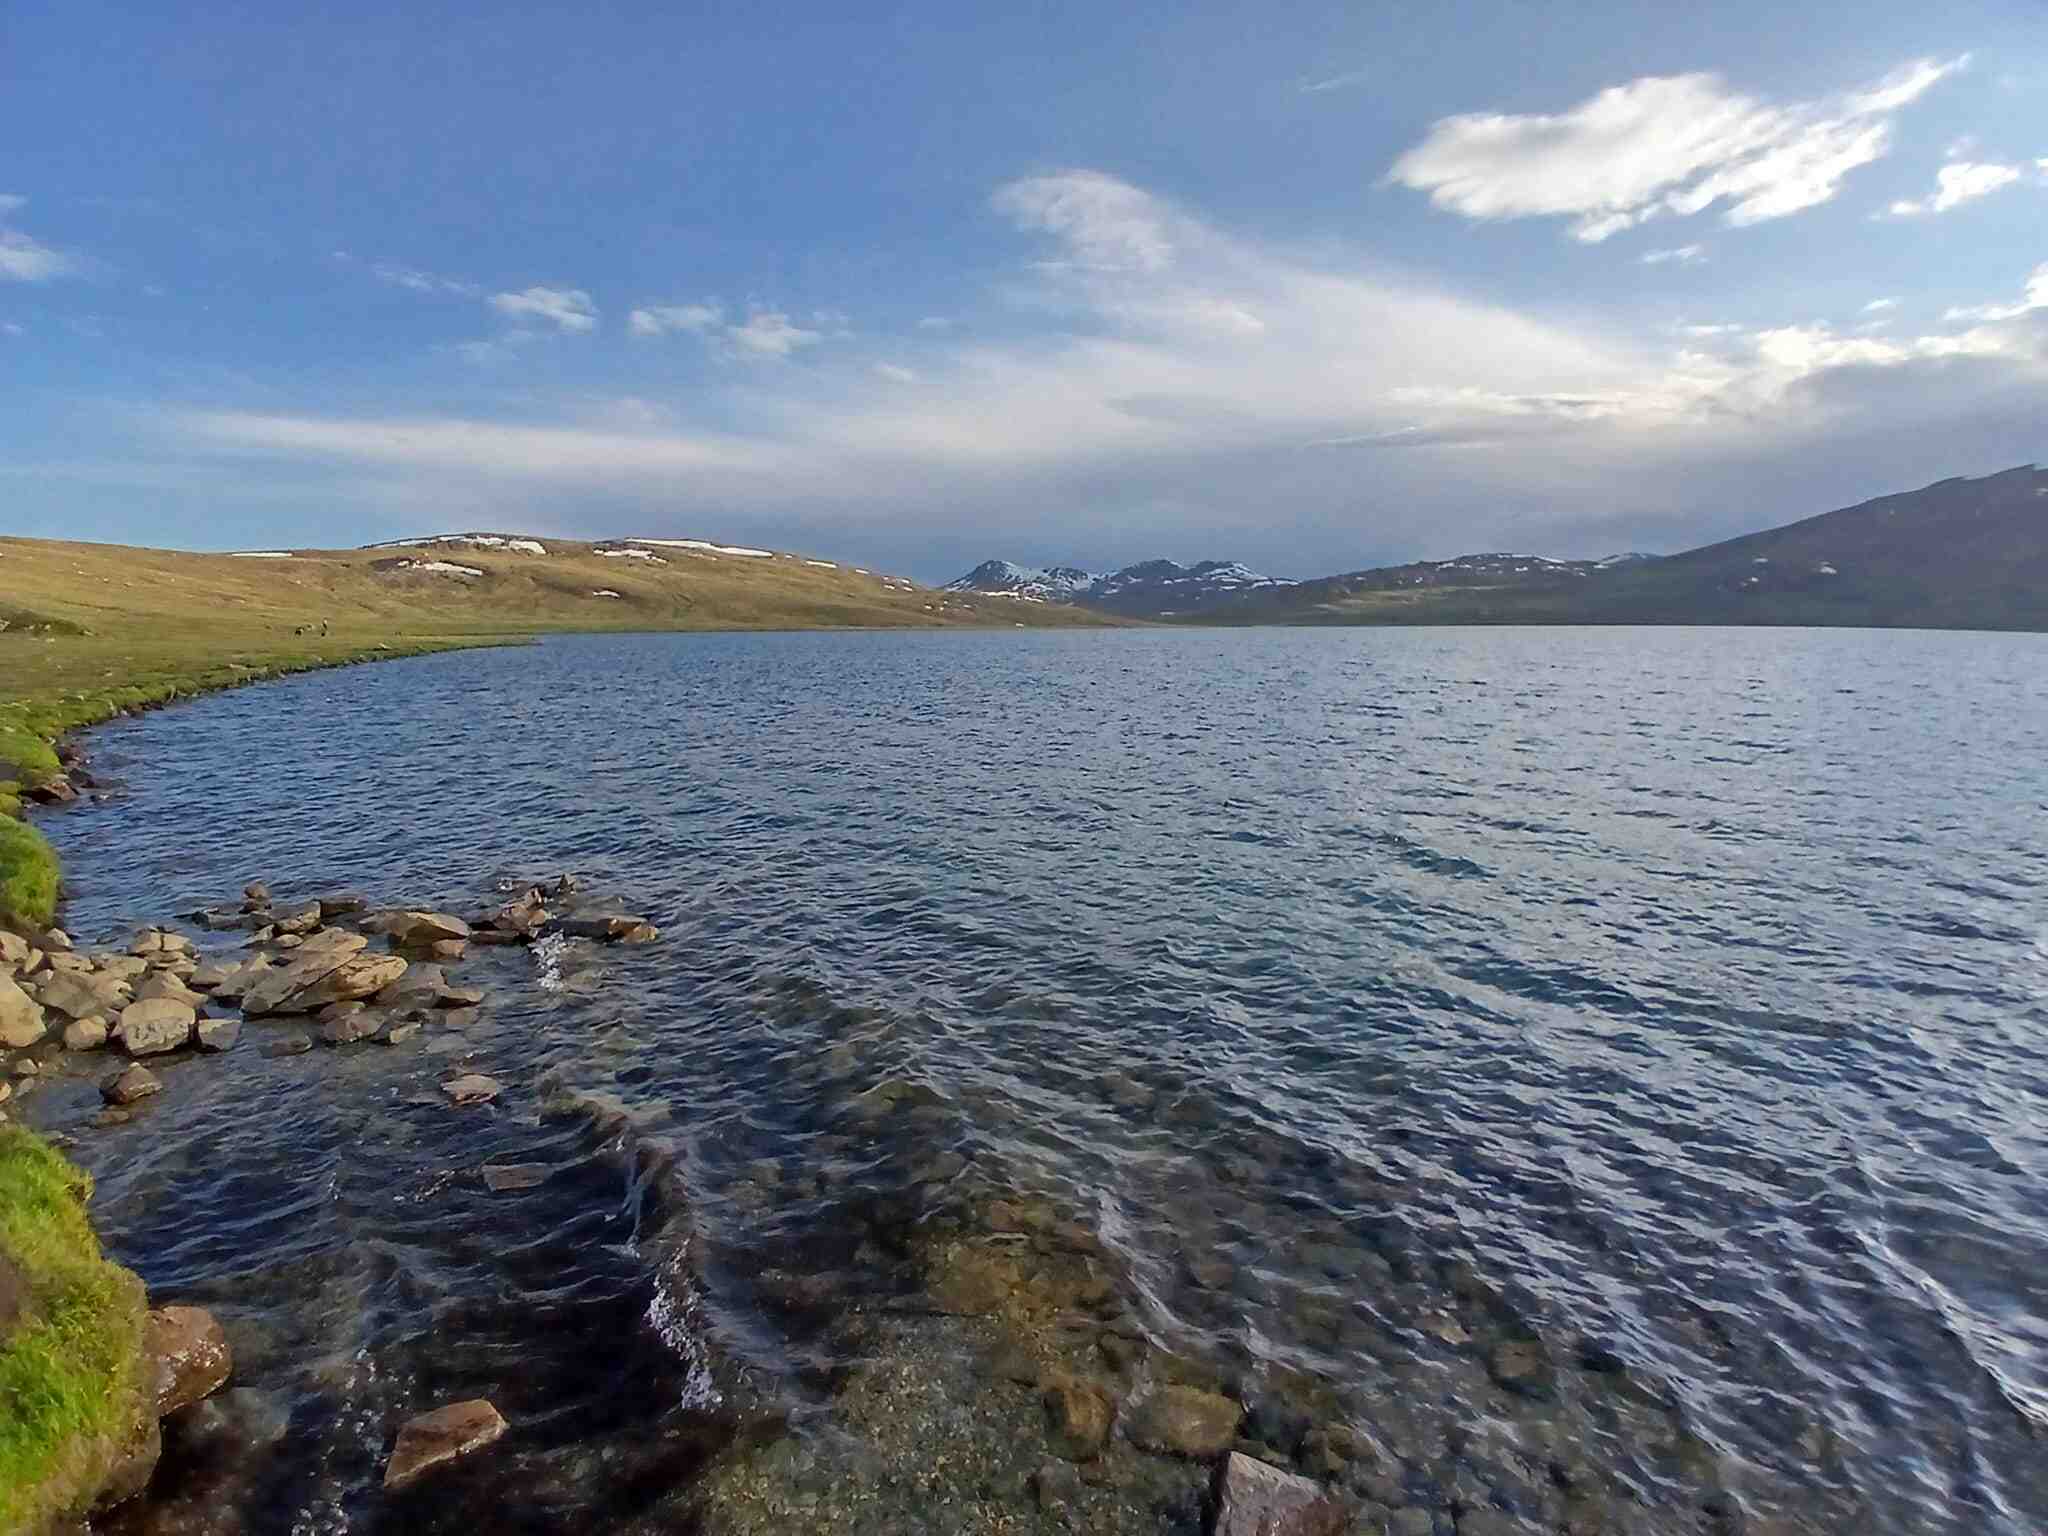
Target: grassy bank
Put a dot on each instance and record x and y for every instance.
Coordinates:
(88, 631)
(71, 1388)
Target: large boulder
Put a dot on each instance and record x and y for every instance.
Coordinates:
(306, 986)
(153, 1027)
(438, 1437)
(330, 941)
(73, 996)
(14, 951)
(1254, 1499)
(166, 985)
(85, 1034)
(189, 1351)
(21, 1017)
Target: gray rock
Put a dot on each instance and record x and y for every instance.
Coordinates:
(82, 997)
(131, 1085)
(236, 980)
(85, 1034)
(304, 986)
(21, 1017)
(207, 976)
(435, 1438)
(291, 1043)
(1254, 1499)
(56, 941)
(159, 941)
(331, 941)
(401, 1032)
(217, 1035)
(346, 1028)
(189, 1350)
(300, 919)
(340, 904)
(128, 968)
(164, 985)
(255, 895)
(153, 1027)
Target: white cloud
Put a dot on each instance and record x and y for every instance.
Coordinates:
(1959, 182)
(1684, 255)
(23, 260)
(1334, 82)
(1876, 306)
(569, 309)
(1105, 224)
(417, 281)
(663, 319)
(2035, 298)
(1662, 144)
(1199, 382)
(769, 333)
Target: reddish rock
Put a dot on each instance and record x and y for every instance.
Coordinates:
(1254, 1499)
(191, 1353)
(434, 1439)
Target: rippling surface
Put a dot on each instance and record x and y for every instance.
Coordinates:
(1676, 994)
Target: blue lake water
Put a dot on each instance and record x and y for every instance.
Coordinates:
(1676, 997)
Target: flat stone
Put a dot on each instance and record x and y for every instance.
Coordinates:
(446, 950)
(502, 1178)
(305, 986)
(165, 985)
(300, 919)
(415, 927)
(191, 1353)
(131, 1085)
(236, 980)
(340, 904)
(208, 976)
(436, 1438)
(331, 941)
(1254, 1499)
(21, 1017)
(153, 1027)
(293, 1043)
(82, 997)
(401, 1032)
(128, 968)
(216, 1035)
(85, 1034)
(1185, 1421)
(347, 1027)
(473, 1088)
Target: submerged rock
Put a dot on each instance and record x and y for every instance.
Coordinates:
(436, 1438)
(472, 1088)
(131, 1086)
(1254, 1499)
(293, 1043)
(191, 1355)
(1185, 1421)
(1078, 1416)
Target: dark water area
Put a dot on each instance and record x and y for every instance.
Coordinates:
(1673, 1003)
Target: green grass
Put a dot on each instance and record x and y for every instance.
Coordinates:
(28, 874)
(71, 1385)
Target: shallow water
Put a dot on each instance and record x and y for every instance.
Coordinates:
(1674, 998)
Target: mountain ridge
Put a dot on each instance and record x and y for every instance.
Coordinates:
(1962, 553)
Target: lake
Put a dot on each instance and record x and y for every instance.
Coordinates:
(1603, 1069)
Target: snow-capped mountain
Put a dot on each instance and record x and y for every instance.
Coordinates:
(1151, 588)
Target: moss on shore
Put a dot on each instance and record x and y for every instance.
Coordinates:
(72, 1392)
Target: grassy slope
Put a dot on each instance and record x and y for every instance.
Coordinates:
(70, 1380)
(93, 629)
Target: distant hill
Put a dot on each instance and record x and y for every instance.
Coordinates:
(1152, 589)
(1959, 554)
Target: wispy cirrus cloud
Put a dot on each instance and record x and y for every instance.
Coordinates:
(1662, 145)
(1681, 255)
(667, 319)
(24, 259)
(567, 309)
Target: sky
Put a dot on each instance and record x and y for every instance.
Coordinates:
(1312, 286)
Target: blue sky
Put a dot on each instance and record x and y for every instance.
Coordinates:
(1312, 286)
